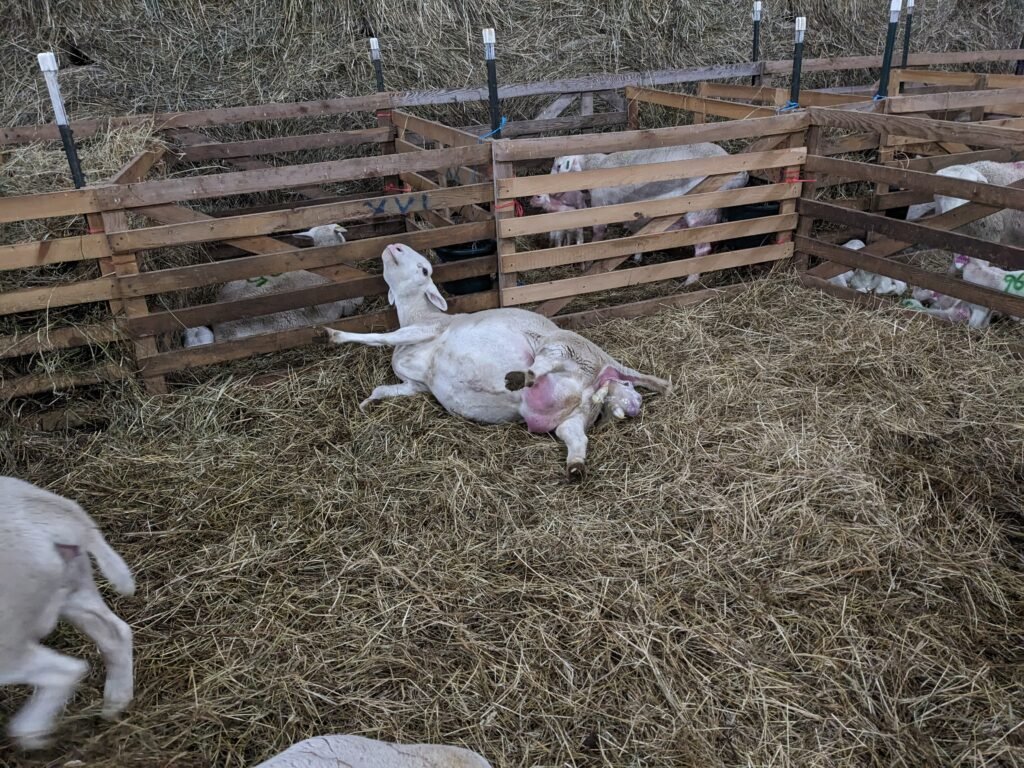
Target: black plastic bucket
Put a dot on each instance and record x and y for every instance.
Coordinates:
(449, 253)
(748, 213)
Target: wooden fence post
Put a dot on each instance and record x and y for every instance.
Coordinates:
(503, 209)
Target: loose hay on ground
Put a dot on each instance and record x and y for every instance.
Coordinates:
(808, 555)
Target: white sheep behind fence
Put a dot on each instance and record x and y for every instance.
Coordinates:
(45, 576)
(337, 751)
(254, 287)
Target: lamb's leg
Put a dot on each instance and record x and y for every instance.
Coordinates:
(573, 433)
(87, 611)
(412, 334)
(54, 677)
(393, 390)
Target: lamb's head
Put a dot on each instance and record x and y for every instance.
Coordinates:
(197, 337)
(324, 234)
(944, 204)
(618, 399)
(408, 275)
(567, 164)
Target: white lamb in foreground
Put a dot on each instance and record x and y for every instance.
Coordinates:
(867, 282)
(339, 751)
(45, 576)
(231, 330)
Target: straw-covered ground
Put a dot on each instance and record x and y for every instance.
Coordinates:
(807, 555)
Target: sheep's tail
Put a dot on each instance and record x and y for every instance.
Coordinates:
(111, 565)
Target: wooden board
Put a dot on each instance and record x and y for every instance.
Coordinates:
(577, 286)
(649, 172)
(198, 275)
(538, 149)
(65, 249)
(432, 130)
(210, 230)
(52, 296)
(919, 127)
(627, 246)
(149, 193)
(50, 339)
(231, 149)
(645, 209)
(578, 320)
(728, 109)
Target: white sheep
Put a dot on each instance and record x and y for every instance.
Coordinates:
(566, 201)
(230, 330)
(335, 751)
(46, 575)
(656, 190)
(1005, 226)
(867, 282)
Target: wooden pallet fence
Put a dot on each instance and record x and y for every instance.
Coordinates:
(525, 276)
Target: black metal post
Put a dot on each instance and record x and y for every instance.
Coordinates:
(378, 68)
(48, 64)
(908, 26)
(1020, 62)
(755, 55)
(799, 30)
(492, 82)
(890, 45)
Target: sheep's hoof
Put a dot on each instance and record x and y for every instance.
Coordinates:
(576, 471)
(515, 380)
(364, 406)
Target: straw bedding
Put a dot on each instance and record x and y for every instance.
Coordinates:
(808, 555)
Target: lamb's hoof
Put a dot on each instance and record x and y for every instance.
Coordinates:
(515, 380)
(27, 740)
(112, 709)
(365, 405)
(576, 471)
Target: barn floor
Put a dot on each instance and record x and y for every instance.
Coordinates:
(808, 555)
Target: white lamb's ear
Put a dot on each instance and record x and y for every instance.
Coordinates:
(391, 296)
(434, 297)
(576, 164)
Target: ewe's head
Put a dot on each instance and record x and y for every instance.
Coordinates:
(567, 164)
(324, 234)
(616, 395)
(408, 273)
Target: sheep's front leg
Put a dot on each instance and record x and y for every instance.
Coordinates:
(393, 390)
(412, 334)
(54, 677)
(573, 433)
(87, 611)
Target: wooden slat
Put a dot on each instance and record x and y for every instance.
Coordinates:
(919, 127)
(537, 149)
(195, 276)
(932, 164)
(959, 100)
(231, 149)
(51, 296)
(649, 172)
(46, 382)
(576, 286)
(729, 109)
(988, 194)
(1007, 256)
(208, 230)
(267, 304)
(519, 128)
(561, 103)
(49, 339)
(212, 354)
(839, 63)
(578, 320)
(645, 209)
(49, 204)
(433, 131)
(961, 289)
(24, 255)
(149, 193)
(859, 142)
(627, 246)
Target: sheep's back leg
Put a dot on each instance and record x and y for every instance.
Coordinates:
(54, 677)
(87, 611)
(573, 433)
(393, 390)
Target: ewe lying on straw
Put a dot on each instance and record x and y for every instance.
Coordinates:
(499, 365)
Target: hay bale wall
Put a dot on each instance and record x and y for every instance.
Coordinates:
(186, 54)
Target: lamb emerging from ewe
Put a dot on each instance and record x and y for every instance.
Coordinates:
(498, 365)
(358, 752)
(323, 235)
(46, 575)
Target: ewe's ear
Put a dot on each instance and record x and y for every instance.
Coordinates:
(434, 297)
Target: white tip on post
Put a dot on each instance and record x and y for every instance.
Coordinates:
(894, 11)
(910, 6)
(374, 49)
(48, 64)
(800, 28)
(756, 16)
(489, 40)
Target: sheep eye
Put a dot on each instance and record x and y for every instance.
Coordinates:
(424, 271)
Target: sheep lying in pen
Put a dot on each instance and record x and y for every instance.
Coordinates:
(231, 330)
(46, 575)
